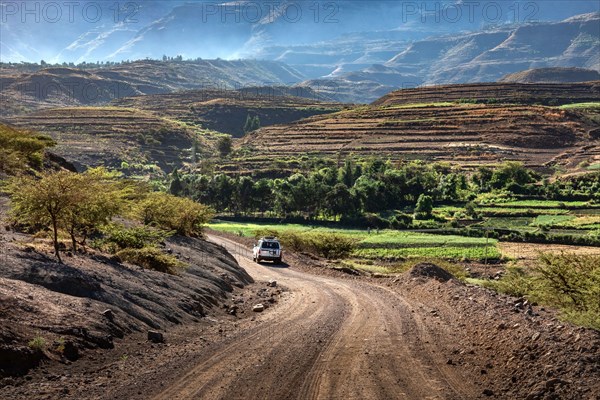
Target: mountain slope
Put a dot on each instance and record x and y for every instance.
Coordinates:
(553, 75)
(112, 136)
(419, 124)
(484, 56)
(226, 110)
(70, 86)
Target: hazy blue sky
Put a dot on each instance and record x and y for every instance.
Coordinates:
(76, 31)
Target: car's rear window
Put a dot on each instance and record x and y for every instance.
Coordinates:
(270, 245)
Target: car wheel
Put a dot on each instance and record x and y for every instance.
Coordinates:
(277, 261)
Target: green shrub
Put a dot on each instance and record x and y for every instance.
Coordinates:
(572, 283)
(117, 237)
(516, 282)
(328, 245)
(168, 212)
(569, 282)
(38, 343)
(151, 258)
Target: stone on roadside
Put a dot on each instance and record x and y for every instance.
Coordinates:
(155, 337)
(258, 308)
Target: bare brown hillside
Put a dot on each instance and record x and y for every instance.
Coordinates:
(23, 91)
(556, 75)
(64, 306)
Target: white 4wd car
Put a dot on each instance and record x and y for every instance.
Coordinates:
(267, 248)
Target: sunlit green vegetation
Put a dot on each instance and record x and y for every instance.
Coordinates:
(20, 150)
(567, 281)
(374, 244)
(85, 205)
(580, 105)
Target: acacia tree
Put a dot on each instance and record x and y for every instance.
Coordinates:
(100, 199)
(75, 203)
(45, 201)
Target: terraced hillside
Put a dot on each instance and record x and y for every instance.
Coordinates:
(92, 136)
(553, 94)
(226, 110)
(466, 134)
(545, 75)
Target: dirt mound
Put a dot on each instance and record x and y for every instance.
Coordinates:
(430, 271)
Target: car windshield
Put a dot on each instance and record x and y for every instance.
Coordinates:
(270, 245)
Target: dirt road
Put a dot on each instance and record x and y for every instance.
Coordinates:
(331, 339)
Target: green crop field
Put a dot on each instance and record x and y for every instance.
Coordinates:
(511, 211)
(552, 219)
(385, 245)
(541, 204)
(580, 105)
(476, 253)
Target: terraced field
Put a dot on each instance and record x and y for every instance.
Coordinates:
(226, 110)
(553, 94)
(467, 134)
(92, 136)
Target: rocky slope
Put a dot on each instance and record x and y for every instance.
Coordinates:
(92, 300)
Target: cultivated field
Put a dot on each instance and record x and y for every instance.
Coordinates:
(93, 136)
(226, 110)
(465, 134)
(384, 245)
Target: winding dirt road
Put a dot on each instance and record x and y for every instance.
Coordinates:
(330, 339)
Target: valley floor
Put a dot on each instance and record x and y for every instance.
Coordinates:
(335, 336)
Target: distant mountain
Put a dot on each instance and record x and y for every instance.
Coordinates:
(70, 86)
(484, 56)
(357, 49)
(317, 36)
(553, 75)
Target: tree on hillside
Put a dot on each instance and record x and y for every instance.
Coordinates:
(101, 199)
(224, 145)
(424, 207)
(176, 186)
(75, 203)
(252, 123)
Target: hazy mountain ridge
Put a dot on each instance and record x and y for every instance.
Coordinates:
(71, 86)
(484, 56)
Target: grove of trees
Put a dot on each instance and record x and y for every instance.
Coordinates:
(356, 188)
(76, 205)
